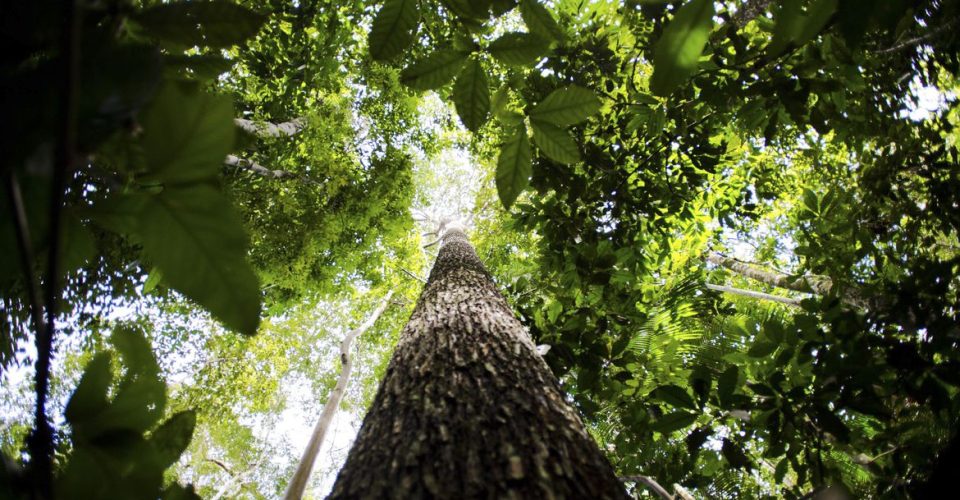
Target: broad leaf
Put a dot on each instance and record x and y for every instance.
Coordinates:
(727, 384)
(677, 53)
(173, 436)
(735, 455)
(539, 20)
(513, 166)
(519, 49)
(555, 142)
(217, 23)
(674, 396)
(394, 28)
(433, 71)
(186, 135)
(196, 239)
(673, 421)
(90, 396)
(566, 106)
(471, 95)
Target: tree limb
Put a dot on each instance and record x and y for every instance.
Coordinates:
(790, 301)
(258, 169)
(299, 481)
(267, 129)
(649, 482)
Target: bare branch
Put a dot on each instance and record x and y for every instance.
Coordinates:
(300, 478)
(267, 129)
(258, 169)
(649, 482)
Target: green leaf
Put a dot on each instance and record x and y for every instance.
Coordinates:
(153, 279)
(678, 50)
(471, 95)
(519, 49)
(761, 348)
(135, 351)
(433, 71)
(177, 492)
(735, 455)
(394, 28)
(216, 24)
(674, 396)
(513, 166)
(90, 396)
(566, 106)
(555, 142)
(173, 436)
(196, 239)
(539, 20)
(674, 421)
(727, 384)
(186, 135)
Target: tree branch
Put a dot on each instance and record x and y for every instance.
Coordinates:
(790, 301)
(267, 129)
(649, 482)
(299, 481)
(258, 169)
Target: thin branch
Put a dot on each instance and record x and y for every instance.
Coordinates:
(300, 478)
(25, 246)
(414, 276)
(790, 301)
(920, 39)
(649, 482)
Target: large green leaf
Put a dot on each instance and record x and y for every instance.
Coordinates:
(217, 23)
(674, 421)
(433, 71)
(471, 95)
(566, 106)
(186, 135)
(555, 142)
(674, 396)
(539, 20)
(519, 49)
(173, 436)
(90, 396)
(394, 28)
(197, 240)
(677, 53)
(513, 165)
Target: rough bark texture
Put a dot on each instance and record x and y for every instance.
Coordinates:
(467, 408)
(267, 129)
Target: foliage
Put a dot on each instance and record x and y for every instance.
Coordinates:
(624, 141)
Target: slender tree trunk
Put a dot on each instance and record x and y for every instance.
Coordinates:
(467, 408)
(300, 478)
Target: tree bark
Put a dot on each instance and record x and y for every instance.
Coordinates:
(267, 129)
(300, 478)
(467, 408)
(806, 284)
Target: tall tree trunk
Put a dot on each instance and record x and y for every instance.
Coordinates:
(300, 478)
(467, 408)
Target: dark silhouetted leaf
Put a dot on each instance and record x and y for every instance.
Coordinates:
(394, 28)
(434, 71)
(513, 165)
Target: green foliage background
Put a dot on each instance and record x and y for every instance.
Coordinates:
(611, 148)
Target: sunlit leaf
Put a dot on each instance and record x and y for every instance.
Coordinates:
(518, 49)
(471, 95)
(394, 28)
(513, 165)
(555, 142)
(566, 106)
(433, 71)
(677, 52)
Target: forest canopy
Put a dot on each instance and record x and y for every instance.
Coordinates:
(732, 228)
